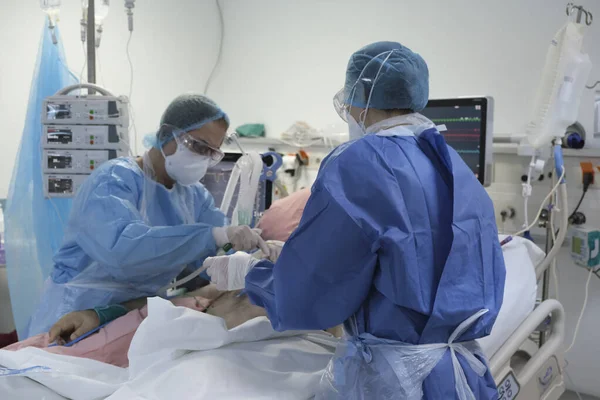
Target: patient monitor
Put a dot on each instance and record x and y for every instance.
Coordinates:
(469, 130)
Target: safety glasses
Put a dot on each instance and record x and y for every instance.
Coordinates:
(364, 86)
(200, 147)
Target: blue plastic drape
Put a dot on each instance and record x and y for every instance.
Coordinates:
(33, 224)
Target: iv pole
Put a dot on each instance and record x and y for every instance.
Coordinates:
(581, 12)
(91, 44)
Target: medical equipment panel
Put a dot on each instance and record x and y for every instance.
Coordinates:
(84, 137)
(75, 161)
(469, 130)
(79, 134)
(59, 185)
(585, 247)
(88, 110)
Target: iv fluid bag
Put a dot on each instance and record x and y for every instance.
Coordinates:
(559, 93)
(50, 6)
(101, 8)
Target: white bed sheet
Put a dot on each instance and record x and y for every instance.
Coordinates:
(19, 387)
(520, 292)
(180, 353)
(71, 377)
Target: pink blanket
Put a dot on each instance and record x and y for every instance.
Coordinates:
(283, 217)
(111, 344)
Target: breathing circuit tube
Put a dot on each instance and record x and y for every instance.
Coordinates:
(194, 274)
(564, 214)
(247, 171)
(182, 281)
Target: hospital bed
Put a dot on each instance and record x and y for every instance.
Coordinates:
(252, 361)
(521, 368)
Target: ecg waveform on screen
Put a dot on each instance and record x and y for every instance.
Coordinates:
(462, 134)
(461, 119)
(463, 130)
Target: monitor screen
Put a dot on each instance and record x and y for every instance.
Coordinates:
(468, 123)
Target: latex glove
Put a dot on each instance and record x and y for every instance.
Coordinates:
(275, 247)
(229, 272)
(242, 238)
(73, 325)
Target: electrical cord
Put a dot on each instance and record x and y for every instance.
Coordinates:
(571, 380)
(82, 69)
(130, 65)
(586, 184)
(575, 334)
(579, 203)
(131, 111)
(220, 53)
(99, 62)
(587, 181)
(585, 301)
(593, 86)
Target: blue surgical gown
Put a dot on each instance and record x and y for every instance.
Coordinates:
(127, 237)
(399, 233)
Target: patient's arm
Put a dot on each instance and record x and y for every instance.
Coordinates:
(236, 309)
(73, 325)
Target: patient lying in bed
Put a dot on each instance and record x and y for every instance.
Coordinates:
(111, 343)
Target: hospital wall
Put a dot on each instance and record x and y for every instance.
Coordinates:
(283, 61)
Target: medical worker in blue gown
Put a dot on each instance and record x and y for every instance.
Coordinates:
(137, 223)
(398, 241)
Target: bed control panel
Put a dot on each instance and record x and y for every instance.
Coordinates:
(508, 389)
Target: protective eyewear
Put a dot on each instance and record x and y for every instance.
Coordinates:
(200, 147)
(339, 103)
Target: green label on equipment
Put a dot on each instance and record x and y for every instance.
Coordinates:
(594, 248)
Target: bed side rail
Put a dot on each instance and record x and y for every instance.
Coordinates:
(552, 346)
